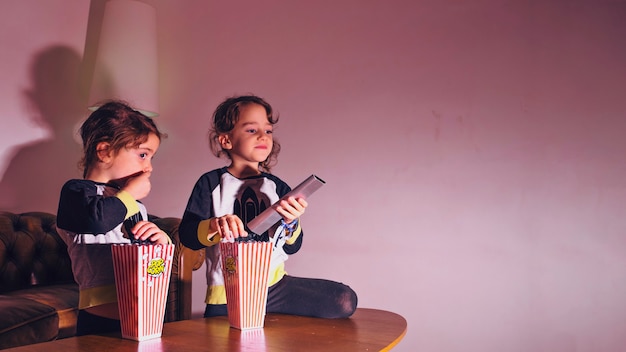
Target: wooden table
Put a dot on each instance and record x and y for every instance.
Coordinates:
(366, 330)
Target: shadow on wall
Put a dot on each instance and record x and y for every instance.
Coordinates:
(37, 171)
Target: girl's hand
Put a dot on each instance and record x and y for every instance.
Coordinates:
(145, 230)
(138, 185)
(228, 227)
(291, 208)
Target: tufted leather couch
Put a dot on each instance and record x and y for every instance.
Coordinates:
(38, 295)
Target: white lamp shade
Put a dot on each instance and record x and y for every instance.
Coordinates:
(126, 62)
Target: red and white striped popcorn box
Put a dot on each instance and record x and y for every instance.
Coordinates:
(245, 266)
(142, 277)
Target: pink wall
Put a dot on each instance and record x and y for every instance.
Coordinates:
(474, 151)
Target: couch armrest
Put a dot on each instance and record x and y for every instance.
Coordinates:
(185, 262)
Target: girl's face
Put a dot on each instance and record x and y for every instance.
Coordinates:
(132, 160)
(250, 142)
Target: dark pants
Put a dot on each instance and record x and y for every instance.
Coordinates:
(89, 324)
(301, 296)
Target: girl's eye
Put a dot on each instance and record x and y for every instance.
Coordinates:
(143, 155)
(269, 131)
(251, 131)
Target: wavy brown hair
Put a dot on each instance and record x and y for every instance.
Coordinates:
(226, 116)
(117, 123)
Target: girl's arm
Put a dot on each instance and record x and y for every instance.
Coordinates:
(83, 210)
(195, 228)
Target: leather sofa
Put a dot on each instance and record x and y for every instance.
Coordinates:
(38, 295)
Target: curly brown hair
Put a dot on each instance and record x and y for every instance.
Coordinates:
(118, 124)
(226, 116)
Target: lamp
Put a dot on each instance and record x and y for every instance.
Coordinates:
(126, 60)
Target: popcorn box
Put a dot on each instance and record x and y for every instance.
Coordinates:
(142, 277)
(245, 266)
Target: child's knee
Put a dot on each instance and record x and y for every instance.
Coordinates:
(347, 302)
